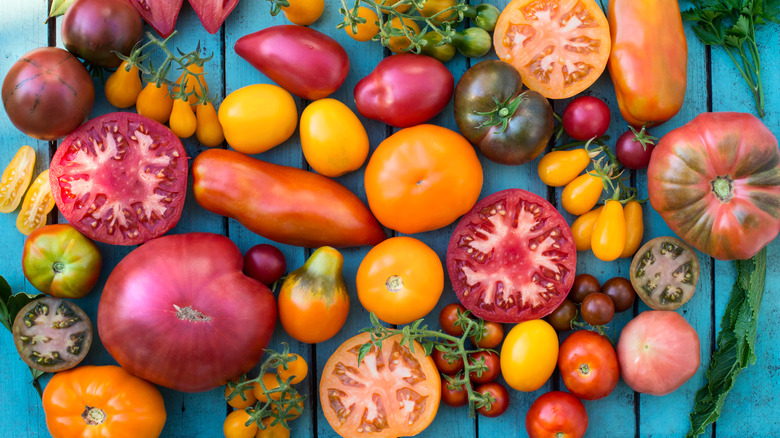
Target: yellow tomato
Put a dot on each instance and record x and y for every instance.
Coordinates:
(635, 228)
(123, 86)
(298, 369)
(399, 8)
(367, 30)
(192, 83)
(271, 383)
(399, 44)
(38, 202)
(582, 194)
(304, 12)
(559, 168)
(609, 232)
(208, 131)
(237, 402)
(275, 431)
(183, 122)
(155, 102)
(529, 355)
(433, 7)
(333, 140)
(400, 280)
(582, 229)
(16, 178)
(258, 117)
(235, 425)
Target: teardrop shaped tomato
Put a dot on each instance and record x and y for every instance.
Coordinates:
(123, 86)
(209, 130)
(155, 102)
(609, 232)
(635, 228)
(38, 202)
(582, 229)
(16, 178)
(582, 194)
(183, 122)
(558, 168)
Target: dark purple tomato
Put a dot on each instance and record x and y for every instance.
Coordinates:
(584, 285)
(586, 117)
(404, 90)
(597, 309)
(501, 396)
(265, 263)
(621, 292)
(562, 316)
(94, 29)
(48, 93)
(630, 151)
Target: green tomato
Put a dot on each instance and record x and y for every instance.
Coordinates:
(60, 261)
(473, 42)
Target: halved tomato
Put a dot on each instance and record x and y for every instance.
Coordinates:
(16, 178)
(393, 392)
(560, 47)
(512, 257)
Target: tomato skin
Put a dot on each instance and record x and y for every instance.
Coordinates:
(647, 93)
(447, 365)
(492, 335)
(225, 182)
(582, 194)
(16, 178)
(265, 263)
(558, 168)
(563, 315)
(586, 117)
(582, 229)
(123, 86)
(453, 397)
(237, 402)
(235, 425)
(304, 12)
(556, 414)
(422, 178)
(182, 122)
(94, 29)
(609, 232)
(501, 396)
(631, 153)
(621, 291)
(297, 369)
(588, 365)
(212, 14)
(364, 31)
(401, 82)
(493, 363)
(448, 316)
(529, 355)
(399, 44)
(303, 61)
(209, 131)
(635, 228)
(333, 139)
(704, 164)
(154, 102)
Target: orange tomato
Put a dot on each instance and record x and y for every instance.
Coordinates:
(399, 8)
(192, 83)
(558, 168)
(209, 130)
(237, 402)
(304, 12)
(367, 30)
(16, 178)
(560, 47)
(400, 280)
(582, 229)
(123, 87)
(399, 44)
(183, 122)
(582, 194)
(635, 228)
(155, 102)
(235, 425)
(297, 369)
(275, 431)
(102, 401)
(422, 178)
(271, 383)
(609, 232)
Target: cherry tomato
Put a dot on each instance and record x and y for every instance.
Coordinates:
(448, 316)
(581, 194)
(399, 44)
(562, 316)
(239, 403)
(433, 8)
(621, 292)
(491, 337)
(16, 178)
(558, 168)
(588, 365)
(154, 102)
(447, 365)
(584, 285)
(500, 396)
(208, 131)
(297, 369)
(597, 309)
(529, 355)
(304, 12)
(634, 149)
(556, 414)
(635, 228)
(276, 431)
(455, 397)
(265, 263)
(491, 361)
(609, 232)
(235, 425)
(183, 122)
(123, 86)
(586, 117)
(582, 229)
(367, 30)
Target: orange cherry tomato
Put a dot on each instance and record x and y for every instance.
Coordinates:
(422, 178)
(209, 130)
(433, 7)
(155, 102)
(389, 3)
(123, 86)
(582, 229)
(276, 431)
(297, 369)
(304, 12)
(609, 232)
(367, 30)
(559, 168)
(399, 44)
(239, 403)
(400, 280)
(183, 122)
(582, 194)
(235, 425)
(635, 228)
(192, 83)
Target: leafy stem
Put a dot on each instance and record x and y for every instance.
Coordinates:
(502, 113)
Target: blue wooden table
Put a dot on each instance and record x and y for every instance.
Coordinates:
(753, 407)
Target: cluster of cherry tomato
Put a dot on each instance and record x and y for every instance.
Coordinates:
(38, 201)
(597, 303)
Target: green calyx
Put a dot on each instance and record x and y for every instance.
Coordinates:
(502, 113)
(723, 188)
(642, 137)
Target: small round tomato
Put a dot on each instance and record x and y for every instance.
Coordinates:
(235, 425)
(586, 117)
(491, 361)
(400, 280)
(582, 193)
(620, 290)
(265, 263)
(297, 369)
(454, 397)
(584, 285)
(240, 403)
(399, 44)
(364, 31)
(257, 117)
(588, 365)
(597, 309)
(556, 414)
(448, 316)
(422, 178)
(276, 431)
(433, 8)
(304, 12)
(609, 232)
(500, 402)
(491, 336)
(634, 149)
(446, 364)
(333, 139)
(529, 355)
(562, 316)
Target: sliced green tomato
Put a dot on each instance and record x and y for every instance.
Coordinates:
(16, 177)
(37, 204)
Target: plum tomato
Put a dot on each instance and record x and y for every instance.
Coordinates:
(52, 334)
(447, 365)
(588, 365)
(634, 149)
(620, 290)
(453, 397)
(586, 117)
(556, 414)
(500, 402)
(491, 361)
(664, 273)
(448, 316)
(95, 30)
(562, 316)
(491, 336)
(529, 355)
(265, 263)
(584, 285)
(597, 309)
(333, 139)
(512, 257)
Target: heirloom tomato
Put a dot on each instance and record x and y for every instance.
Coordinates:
(597, 309)
(500, 399)
(433, 46)
(16, 178)
(404, 90)
(181, 298)
(213, 13)
(295, 207)
(586, 117)
(563, 315)
(161, 15)
(208, 130)
(364, 31)
(620, 290)
(304, 12)
(60, 261)
(257, 117)
(96, 30)
(472, 42)
(512, 257)
(104, 401)
(123, 86)
(588, 365)
(559, 168)
(48, 93)
(556, 414)
(401, 387)
(609, 232)
(38, 202)
(265, 263)
(422, 178)
(716, 183)
(664, 273)
(333, 139)
(434, 8)
(144, 203)
(400, 280)
(237, 402)
(560, 47)
(303, 61)
(529, 355)
(509, 125)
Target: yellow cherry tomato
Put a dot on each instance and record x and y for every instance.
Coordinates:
(559, 168)
(333, 140)
(529, 355)
(258, 117)
(582, 229)
(399, 8)
(275, 431)
(192, 83)
(399, 44)
(183, 122)
(635, 228)
(270, 382)
(237, 402)
(38, 202)
(123, 86)
(235, 425)
(155, 102)
(609, 232)
(367, 30)
(433, 7)
(16, 178)
(297, 369)
(209, 130)
(582, 194)
(304, 12)
(400, 280)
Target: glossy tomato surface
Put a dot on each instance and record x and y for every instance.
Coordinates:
(213, 13)
(303, 61)
(588, 365)
(179, 299)
(120, 178)
(556, 414)
(529, 355)
(161, 15)
(94, 29)
(512, 257)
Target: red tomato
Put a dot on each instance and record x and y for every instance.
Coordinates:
(586, 117)
(448, 316)
(303, 61)
(512, 257)
(161, 15)
(588, 365)
(491, 361)
(491, 337)
(404, 90)
(453, 397)
(556, 414)
(95, 29)
(631, 152)
(500, 399)
(144, 203)
(179, 299)
(448, 365)
(213, 13)
(265, 263)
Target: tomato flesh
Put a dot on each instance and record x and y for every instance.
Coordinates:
(512, 257)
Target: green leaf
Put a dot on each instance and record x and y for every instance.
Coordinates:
(741, 28)
(5, 290)
(58, 7)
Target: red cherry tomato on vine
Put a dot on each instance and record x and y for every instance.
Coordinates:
(447, 365)
(453, 397)
(492, 335)
(492, 362)
(586, 117)
(448, 316)
(499, 394)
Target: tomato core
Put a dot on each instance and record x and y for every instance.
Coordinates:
(190, 314)
(585, 369)
(394, 283)
(58, 266)
(93, 416)
(723, 188)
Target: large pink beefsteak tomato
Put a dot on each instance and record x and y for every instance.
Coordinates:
(179, 312)
(716, 183)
